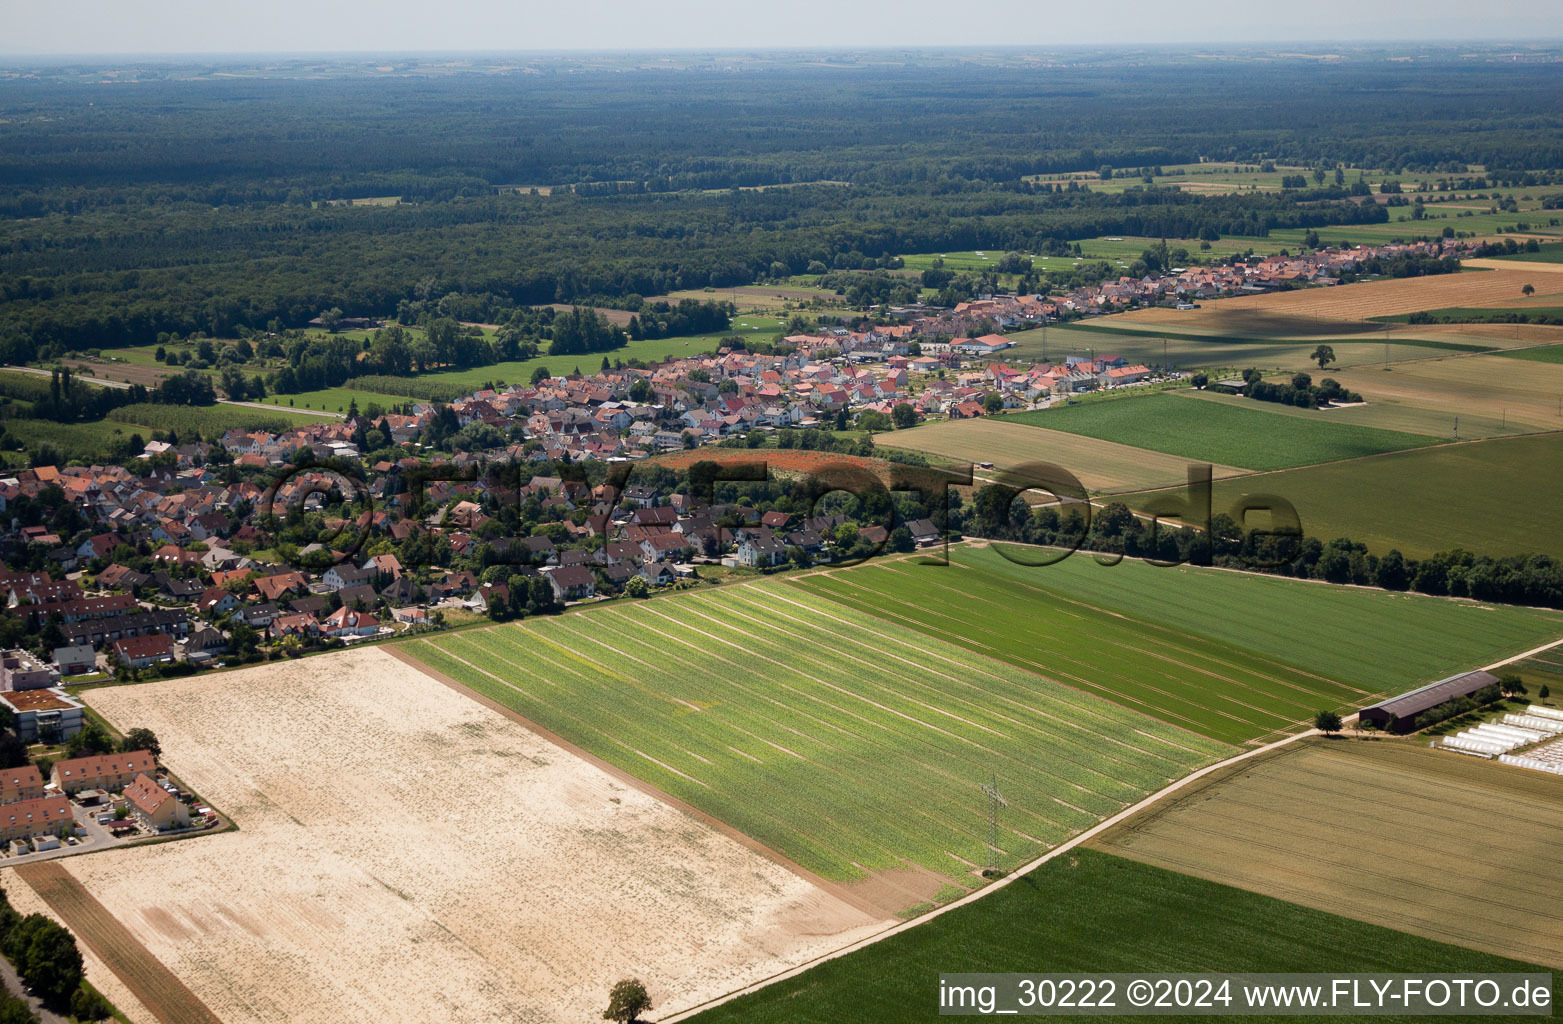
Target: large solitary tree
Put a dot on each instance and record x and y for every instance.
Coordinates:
(1327, 722)
(1323, 355)
(627, 1002)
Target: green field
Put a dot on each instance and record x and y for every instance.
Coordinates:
(1540, 354)
(1235, 656)
(212, 420)
(1388, 415)
(847, 743)
(1089, 912)
(1479, 314)
(84, 442)
(519, 371)
(1552, 252)
(1250, 438)
(334, 400)
(1502, 496)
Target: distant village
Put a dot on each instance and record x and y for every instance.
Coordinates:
(173, 562)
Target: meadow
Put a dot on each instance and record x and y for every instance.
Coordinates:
(1250, 437)
(849, 744)
(1233, 656)
(1090, 912)
(1500, 496)
(1446, 847)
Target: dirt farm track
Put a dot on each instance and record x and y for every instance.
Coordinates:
(407, 854)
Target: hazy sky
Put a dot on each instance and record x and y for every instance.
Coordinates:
(233, 26)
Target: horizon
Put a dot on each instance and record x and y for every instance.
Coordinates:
(184, 28)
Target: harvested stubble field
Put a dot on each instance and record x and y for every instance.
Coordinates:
(1246, 435)
(1090, 912)
(1502, 496)
(1230, 655)
(851, 745)
(1346, 301)
(1102, 466)
(407, 854)
(1269, 343)
(1494, 386)
(1393, 833)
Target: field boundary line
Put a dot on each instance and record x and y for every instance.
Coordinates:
(163, 994)
(1019, 872)
(842, 892)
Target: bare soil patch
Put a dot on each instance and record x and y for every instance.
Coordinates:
(153, 985)
(405, 853)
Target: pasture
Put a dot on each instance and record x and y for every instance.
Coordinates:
(849, 744)
(1394, 834)
(1249, 436)
(1102, 466)
(407, 854)
(1502, 496)
(1088, 912)
(1229, 655)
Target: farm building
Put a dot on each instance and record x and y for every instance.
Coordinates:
(1398, 714)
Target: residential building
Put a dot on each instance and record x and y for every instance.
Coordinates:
(155, 807)
(101, 771)
(144, 651)
(22, 783)
(76, 659)
(20, 670)
(44, 715)
(28, 819)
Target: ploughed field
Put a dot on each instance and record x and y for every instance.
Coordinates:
(850, 744)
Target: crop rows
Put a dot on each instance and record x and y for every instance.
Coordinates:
(1218, 689)
(846, 743)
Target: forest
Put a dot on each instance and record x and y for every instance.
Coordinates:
(206, 205)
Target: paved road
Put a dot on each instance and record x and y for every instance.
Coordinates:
(122, 385)
(14, 983)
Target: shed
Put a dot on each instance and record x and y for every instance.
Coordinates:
(1398, 714)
